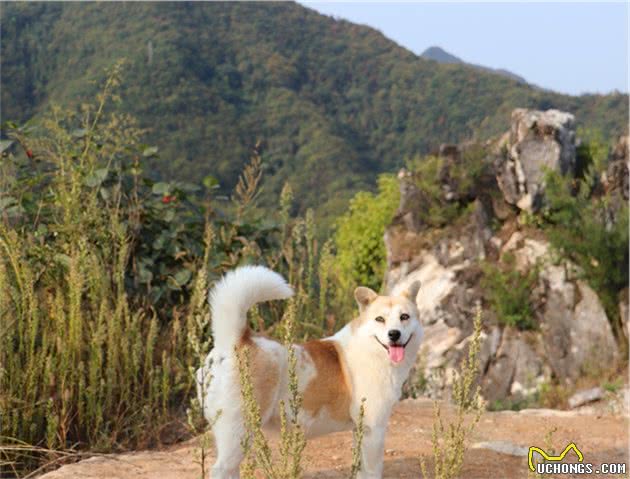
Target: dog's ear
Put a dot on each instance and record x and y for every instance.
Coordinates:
(364, 297)
(412, 291)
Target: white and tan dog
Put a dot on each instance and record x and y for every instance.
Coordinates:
(369, 358)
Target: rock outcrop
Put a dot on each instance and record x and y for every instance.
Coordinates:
(537, 141)
(572, 333)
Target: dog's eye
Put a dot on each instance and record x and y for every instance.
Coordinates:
(380, 319)
(404, 317)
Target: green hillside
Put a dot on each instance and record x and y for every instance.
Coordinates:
(333, 103)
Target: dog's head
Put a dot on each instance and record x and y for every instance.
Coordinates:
(390, 322)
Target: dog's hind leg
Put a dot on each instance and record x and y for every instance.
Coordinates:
(228, 431)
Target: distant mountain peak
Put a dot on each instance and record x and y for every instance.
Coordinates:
(440, 55)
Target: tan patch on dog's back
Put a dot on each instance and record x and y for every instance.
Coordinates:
(264, 371)
(329, 389)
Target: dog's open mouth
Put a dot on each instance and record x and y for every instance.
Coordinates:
(396, 352)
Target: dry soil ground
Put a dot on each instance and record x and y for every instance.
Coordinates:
(601, 438)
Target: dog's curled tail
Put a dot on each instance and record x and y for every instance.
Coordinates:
(235, 293)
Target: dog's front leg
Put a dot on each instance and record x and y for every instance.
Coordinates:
(372, 452)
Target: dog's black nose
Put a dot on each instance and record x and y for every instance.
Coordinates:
(394, 335)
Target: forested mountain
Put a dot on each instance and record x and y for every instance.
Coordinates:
(332, 103)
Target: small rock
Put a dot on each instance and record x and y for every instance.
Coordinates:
(543, 412)
(503, 447)
(585, 396)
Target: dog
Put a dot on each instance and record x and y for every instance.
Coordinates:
(370, 357)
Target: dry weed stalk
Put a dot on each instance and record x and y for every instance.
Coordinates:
(449, 438)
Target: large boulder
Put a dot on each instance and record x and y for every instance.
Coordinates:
(538, 141)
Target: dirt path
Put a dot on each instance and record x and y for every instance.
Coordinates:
(601, 438)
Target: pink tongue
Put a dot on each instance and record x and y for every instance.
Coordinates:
(396, 353)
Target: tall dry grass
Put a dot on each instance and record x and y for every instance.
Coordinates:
(81, 364)
(101, 322)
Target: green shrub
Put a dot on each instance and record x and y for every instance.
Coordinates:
(613, 386)
(359, 237)
(508, 292)
(591, 154)
(436, 211)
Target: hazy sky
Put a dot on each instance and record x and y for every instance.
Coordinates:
(568, 47)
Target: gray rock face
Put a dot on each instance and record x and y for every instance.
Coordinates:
(577, 335)
(617, 177)
(503, 447)
(497, 381)
(517, 368)
(586, 396)
(538, 141)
